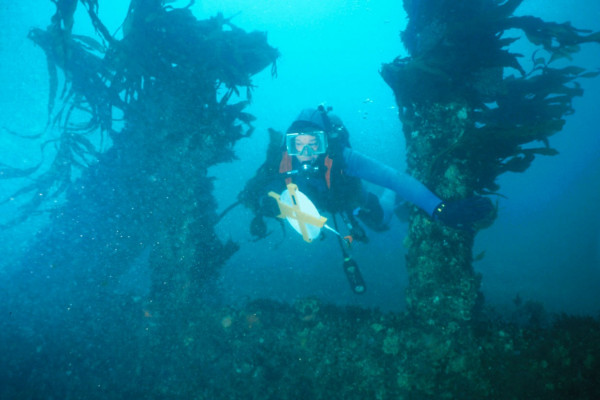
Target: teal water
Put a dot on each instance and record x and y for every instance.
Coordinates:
(67, 333)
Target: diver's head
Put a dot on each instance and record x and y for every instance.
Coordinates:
(307, 137)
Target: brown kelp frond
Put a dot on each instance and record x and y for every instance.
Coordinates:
(561, 40)
(171, 72)
(8, 172)
(198, 64)
(92, 9)
(460, 55)
(44, 188)
(63, 18)
(22, 135)
(531, 108)
(72, 153)
(85, 73)
(174, 42)
(85, 95)
(452, 43)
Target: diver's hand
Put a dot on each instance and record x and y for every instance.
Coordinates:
(268, 207)
(470, 213)
(258, 227)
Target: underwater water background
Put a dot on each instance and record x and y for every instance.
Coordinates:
(544, 246)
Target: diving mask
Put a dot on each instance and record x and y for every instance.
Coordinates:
(306, 143)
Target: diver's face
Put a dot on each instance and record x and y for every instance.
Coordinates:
(303, 143)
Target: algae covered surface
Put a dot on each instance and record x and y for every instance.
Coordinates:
(116, 292)
(268, 350)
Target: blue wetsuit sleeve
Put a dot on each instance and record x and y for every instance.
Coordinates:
(407, 187)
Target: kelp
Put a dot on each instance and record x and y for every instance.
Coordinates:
(162, 49)
(460, 50)
(560, 40)
(472, 109)
(134, 124)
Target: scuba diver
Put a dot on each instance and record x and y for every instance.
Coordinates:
(315, 154)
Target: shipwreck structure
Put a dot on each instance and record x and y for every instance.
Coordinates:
(471, 110)
(161, 97)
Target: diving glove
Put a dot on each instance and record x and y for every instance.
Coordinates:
(268, 207)
(258, 227)
(469, 213)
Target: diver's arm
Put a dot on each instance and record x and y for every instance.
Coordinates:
(255, 197)
(407, 187)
